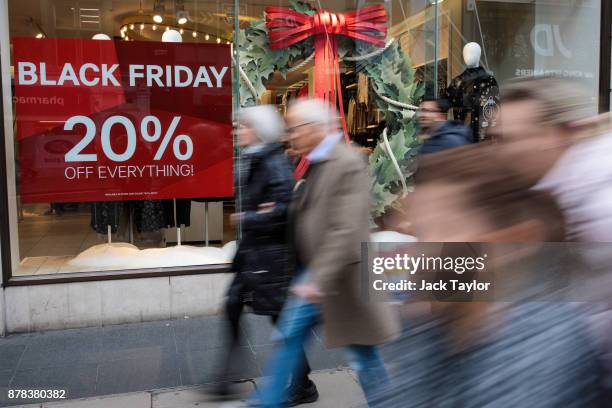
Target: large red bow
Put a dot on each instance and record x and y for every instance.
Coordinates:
(287, 27)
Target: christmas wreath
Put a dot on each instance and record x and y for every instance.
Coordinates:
(389, 70)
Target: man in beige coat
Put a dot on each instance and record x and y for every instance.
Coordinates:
(329, 215)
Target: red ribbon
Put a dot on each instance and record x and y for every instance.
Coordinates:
(287, 27)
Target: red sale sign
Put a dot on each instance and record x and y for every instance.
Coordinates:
(118, 120)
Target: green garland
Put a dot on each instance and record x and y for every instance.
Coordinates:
(390, 73)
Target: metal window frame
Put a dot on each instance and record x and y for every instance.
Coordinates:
(605, 55)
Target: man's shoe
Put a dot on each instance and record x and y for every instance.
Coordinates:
(302, 394)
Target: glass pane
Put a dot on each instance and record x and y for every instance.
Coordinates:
(377, 76)
(117, 143)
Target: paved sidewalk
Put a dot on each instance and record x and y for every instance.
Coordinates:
(136, 357)
(337, 388)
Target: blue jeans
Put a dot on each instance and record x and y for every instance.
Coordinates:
(295, 325)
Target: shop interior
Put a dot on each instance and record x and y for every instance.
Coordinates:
(52, 237)
(74, 237)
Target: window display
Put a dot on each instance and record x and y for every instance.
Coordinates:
(123, 147)
(122, 112)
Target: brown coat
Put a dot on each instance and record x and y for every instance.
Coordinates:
(330, 212)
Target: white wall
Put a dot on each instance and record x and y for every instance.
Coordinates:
(70, 305)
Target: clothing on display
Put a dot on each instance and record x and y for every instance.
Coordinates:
(474, 97)
(153, 215)
(104, 214)
(182, 206)
(362, 88)
(149, 215)
(357, 117)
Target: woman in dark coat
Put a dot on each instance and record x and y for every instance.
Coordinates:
(262, 264)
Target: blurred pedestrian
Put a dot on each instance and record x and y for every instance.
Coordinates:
(329, 218)
(438, 132)
(553, 139)
(262, 263)
(526, 348)
(547, 139)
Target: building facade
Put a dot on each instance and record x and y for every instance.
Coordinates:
(118, 156)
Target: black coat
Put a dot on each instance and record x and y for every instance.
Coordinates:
(263, 262)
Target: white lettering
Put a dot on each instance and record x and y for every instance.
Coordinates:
(107, 74)
(135, 74)
(154, 73)
(68, 74)
(43, 75)
(177, 76)
(202, 76)
(218, 75)
(27, 73)
(83, 74)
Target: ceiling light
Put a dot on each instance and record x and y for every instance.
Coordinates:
(194, 34)
(181, 31)
(154, 27)
(172, 36)
(207, 37)
(100, 36)
(167, 28)
(182, 17)
(158, 11)
(218, 40)
(39, 35)
(142, 26)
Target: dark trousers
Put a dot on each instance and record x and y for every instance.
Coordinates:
(233, 311)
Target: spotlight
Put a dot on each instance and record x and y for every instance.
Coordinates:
(142, 26)
(131, 26)
(182, 17)
(158, 11)
(218, 40)
(167, 28)
(39, 35)
(207, 37)
(154, 27)
(182, 31)
(194, 34)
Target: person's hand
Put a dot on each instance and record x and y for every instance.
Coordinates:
(310, 292)
(235, 218)
(265, 208)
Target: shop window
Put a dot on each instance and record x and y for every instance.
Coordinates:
(122, 145)
(418, 51)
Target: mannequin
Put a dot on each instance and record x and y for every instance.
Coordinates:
(474, 94)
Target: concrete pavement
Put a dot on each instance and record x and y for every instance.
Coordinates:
(122, 359)
(337, 388)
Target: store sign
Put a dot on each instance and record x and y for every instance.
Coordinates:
(119, 120)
